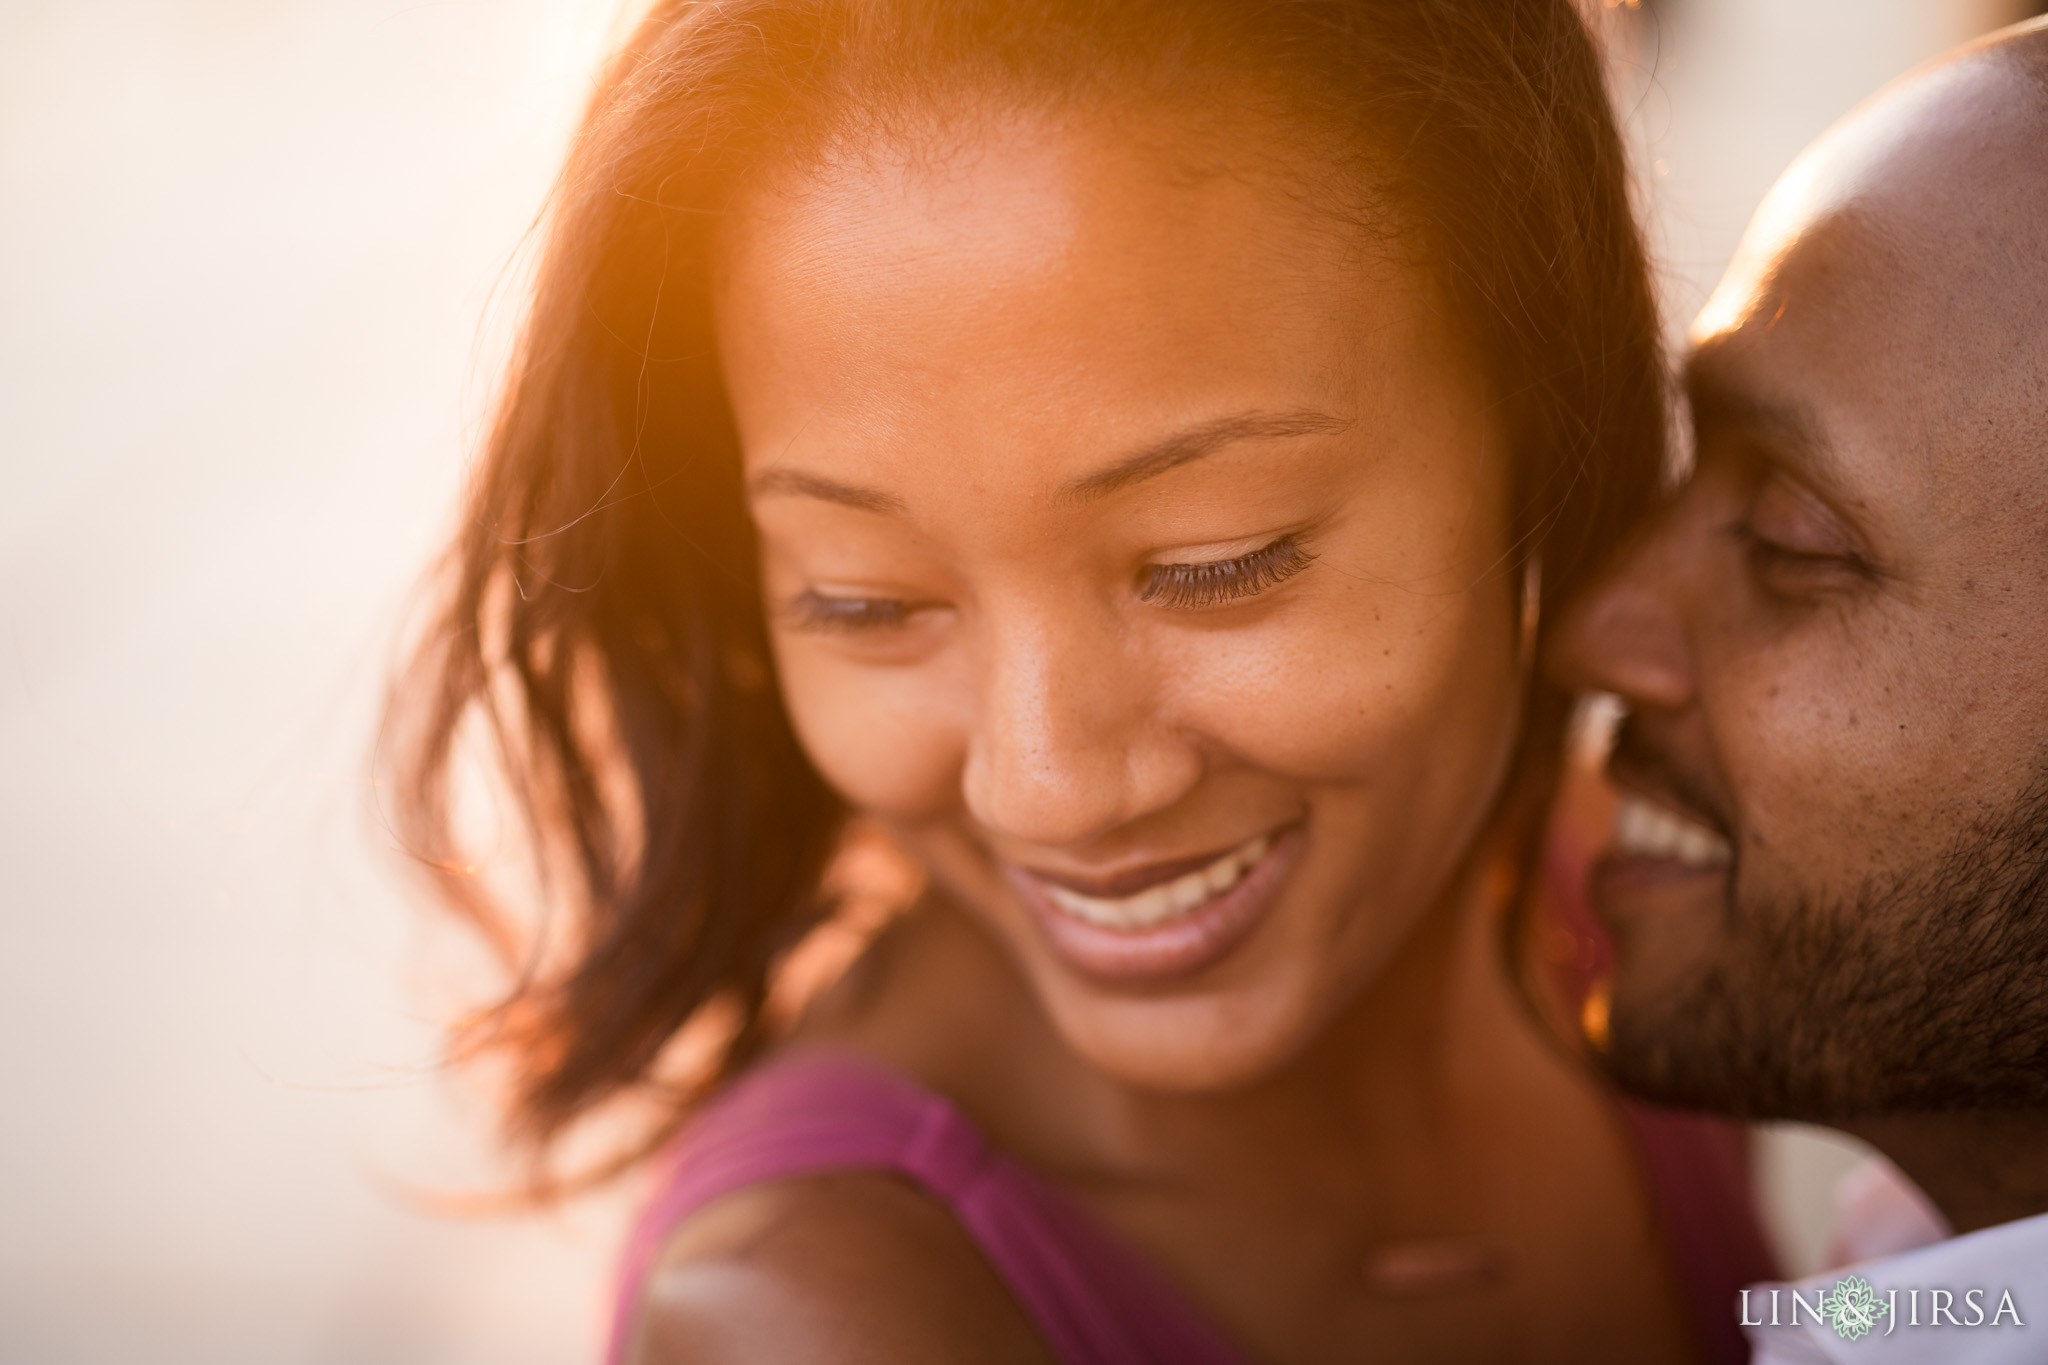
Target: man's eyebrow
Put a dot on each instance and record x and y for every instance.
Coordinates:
(795, 483)
(1792, 433)
(1196, 442)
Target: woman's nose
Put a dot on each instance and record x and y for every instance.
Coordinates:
(1627, 635)
(1071, 739)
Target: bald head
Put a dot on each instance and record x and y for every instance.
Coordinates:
(1834, 642)
(1907, 253)
(1949, 155)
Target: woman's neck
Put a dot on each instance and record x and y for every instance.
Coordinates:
(1430, 1149)
(936, 997)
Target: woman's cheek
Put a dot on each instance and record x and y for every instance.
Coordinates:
(885, 737)
(1340, 697)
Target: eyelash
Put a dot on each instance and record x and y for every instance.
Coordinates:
(1182, 586)
(1225, 580)
(1766, 554)
(816, 611)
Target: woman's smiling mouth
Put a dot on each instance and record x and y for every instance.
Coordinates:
(1168, 919)
(1161, 899)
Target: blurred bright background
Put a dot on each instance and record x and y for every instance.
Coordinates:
(247, 253)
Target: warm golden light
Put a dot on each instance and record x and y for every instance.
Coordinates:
(1594, 1013)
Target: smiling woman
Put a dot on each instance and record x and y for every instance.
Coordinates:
(1099, 548)
(1107, 450)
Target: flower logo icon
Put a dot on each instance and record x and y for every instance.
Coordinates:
(1852, 1307)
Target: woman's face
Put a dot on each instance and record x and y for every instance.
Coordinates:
(1132, 537)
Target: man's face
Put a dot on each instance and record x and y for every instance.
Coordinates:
(1829, 885)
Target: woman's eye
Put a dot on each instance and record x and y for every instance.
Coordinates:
(1217, 581)
(814, 610)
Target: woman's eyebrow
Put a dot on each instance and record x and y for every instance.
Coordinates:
(1198, 441)
(797, 483)
(1157, 458)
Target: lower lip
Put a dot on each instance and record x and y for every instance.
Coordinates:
(1180, 946)
(1620, 881)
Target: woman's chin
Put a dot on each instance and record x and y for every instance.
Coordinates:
(1216, 996)
(1177, 1003)
(1196, 1042)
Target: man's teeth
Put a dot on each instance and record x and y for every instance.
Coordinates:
(1646, 830)
(1167, 899)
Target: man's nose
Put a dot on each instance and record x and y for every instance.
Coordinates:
(1626, 634)
(1070, 740)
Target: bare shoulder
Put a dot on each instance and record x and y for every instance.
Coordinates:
(838, 1269)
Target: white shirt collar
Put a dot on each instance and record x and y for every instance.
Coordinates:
(1983, 1278)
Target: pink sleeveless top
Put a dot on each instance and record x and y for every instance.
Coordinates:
(1095, 1301)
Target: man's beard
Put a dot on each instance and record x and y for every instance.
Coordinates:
(1927, 993)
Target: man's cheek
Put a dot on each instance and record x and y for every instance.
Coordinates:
(1807, 753)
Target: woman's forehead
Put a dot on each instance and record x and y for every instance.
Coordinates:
(1050, 260)
(1037, 176)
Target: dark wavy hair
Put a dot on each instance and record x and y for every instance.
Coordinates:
(600, 614)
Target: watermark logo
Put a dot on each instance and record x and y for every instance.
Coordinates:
(1852, 1307)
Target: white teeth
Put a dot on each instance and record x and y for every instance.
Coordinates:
(1164, 901)
(1643, 829)
(1185, 893)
